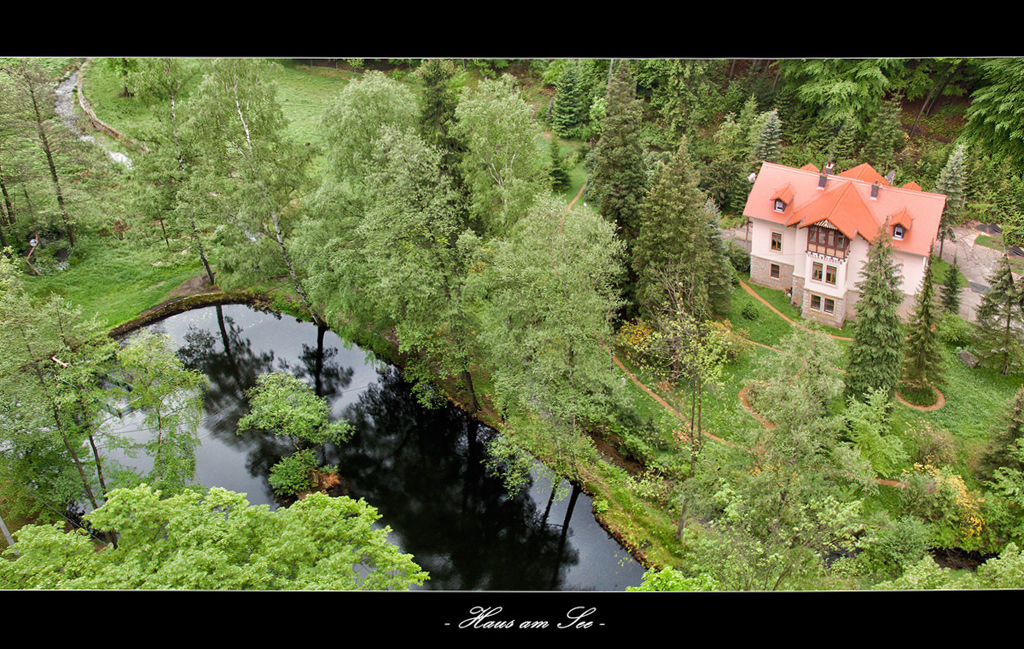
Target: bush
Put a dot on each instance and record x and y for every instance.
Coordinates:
(897, 546)
(954, 331)
(293, 474)
(935, 446)
(738, 257)
(750, 311)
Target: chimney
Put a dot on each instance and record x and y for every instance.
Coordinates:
(823, 178)
(875, 186)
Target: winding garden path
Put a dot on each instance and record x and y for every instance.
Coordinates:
(743, 392)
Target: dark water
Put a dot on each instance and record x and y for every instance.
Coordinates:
(421, 468)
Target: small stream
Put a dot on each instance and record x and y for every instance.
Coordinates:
(421, 468)
(65, 108)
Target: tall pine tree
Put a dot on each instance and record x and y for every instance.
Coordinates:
(998, 334)
(951, 182)
(885, 136)
(876, 354)
(619, 180)
(949, 292)
(923, 362)
(677, 237)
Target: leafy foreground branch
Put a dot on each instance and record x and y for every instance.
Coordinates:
(215, 540)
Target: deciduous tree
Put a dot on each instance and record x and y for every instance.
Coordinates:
(215, 541)
(165, 170)
(260, 173)
(418, 253)
(550, 302)
(504, 165)
(155, 382)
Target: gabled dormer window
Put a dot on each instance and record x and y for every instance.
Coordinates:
(898, 231)
(780, 206)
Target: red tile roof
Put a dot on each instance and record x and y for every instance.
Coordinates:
(846, 203)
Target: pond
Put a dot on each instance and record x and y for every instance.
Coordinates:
(421, 468)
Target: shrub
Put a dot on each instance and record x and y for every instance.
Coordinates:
(293, 474)
(935, 446)
(750, 311)
(954, 331)
(897, 546)
(738, 257)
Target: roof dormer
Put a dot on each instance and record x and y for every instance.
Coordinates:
(782, 198)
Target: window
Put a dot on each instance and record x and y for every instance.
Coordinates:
(897, 232)
(826, 241)
(777, 241)
(775, 271)
(779, 205)
(817, 271)
(816, 302)
(830, 274)
(830, 305)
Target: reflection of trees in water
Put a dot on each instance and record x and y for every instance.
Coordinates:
(423, 470)
(231, 367)
(318, 363)
(228, 360)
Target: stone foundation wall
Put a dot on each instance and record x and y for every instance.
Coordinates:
(906, 308)
(834, 319)
(761, 274)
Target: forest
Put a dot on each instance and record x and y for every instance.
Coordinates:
(553, 245)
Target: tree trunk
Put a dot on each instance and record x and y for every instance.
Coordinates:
(467, 380)
(942, 88)
(7, 200)
(291, 267)
(682, 518)
(53, 169)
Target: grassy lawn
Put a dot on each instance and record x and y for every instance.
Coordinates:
(302, 91)
(975, 398)
(114, 280)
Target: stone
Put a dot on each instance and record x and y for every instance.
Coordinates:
(969, 359)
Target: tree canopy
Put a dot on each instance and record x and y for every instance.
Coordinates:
(214, 540)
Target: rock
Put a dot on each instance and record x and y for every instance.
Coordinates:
(969, 359)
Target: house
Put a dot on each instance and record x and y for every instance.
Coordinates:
(810, 232)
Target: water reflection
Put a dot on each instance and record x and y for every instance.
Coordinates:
(422, 469)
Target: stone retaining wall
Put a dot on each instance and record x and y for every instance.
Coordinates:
(96, 121)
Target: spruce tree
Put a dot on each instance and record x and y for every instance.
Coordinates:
(952, 181)
(674, 236)
(437, 128)
(768, 144)
(1009, 429)
(923, 362)
(572, 106)
(876, 354)
(720, 275)
(619, 181)
(885, 136)
(949, 292)
(998, 338)
(559, 174)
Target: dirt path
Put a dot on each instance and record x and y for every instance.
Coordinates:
(577, 197)
(940, 401)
